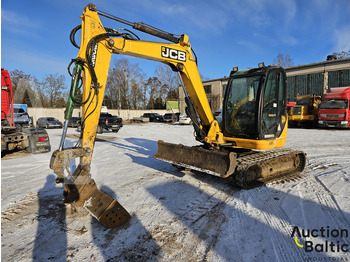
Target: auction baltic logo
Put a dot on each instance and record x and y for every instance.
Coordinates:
(327, 245)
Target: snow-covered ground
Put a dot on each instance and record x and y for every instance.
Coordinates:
(178, 216)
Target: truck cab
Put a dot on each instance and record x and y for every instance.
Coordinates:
(335, 108)
(304, 111)
(13, 118)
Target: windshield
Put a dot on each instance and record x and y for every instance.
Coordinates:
(18, 110)
(304, 101)
(51, 119)
(334, 104)
(240, 105)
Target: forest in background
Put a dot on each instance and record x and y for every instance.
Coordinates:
(127, 87)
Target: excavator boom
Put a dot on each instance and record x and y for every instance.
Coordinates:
(254, 116)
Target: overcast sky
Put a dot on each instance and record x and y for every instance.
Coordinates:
(224, 33)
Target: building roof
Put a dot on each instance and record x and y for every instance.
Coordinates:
(335, 61)
(319, 67)
(225, 78)
(324, 66)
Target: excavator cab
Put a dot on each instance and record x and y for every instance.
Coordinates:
(255, 103)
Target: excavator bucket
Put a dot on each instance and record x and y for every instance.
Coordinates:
(82, 191)
(213, 162)
(108, 211)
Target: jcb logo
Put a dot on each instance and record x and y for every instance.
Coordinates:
(173, 54)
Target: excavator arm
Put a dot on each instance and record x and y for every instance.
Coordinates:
(215, 157)
(91, 68)
(97, 46)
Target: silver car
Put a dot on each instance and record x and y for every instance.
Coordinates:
(48, 122)
(21, 117)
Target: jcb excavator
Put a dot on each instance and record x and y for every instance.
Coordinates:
(242, 148)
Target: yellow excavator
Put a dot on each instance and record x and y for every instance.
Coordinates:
(241, 148)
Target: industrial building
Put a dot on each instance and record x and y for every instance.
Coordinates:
(310, 79)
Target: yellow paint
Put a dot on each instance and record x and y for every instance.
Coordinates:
(92, 26)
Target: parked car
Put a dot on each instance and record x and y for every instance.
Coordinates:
(185, 120)
(119, 119)
(48, 122)
(153, 117)
(107, 122)
(21, 117)
(74, 122)
(169, 117)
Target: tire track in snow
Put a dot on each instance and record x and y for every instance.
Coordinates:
(318, 203)
(327, 202)
(324, 162)
(198, 219)
(322, 167)
(209, 217)
(281, 228)
(232, 231)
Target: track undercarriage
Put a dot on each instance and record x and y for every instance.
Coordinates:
(244, 169)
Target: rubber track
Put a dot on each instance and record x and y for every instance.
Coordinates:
(247, 160)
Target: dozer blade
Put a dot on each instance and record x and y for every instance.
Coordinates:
(213, 162)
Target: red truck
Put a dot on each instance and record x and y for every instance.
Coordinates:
(334, 109)
(34, 140)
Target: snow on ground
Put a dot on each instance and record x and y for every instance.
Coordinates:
(177, 216)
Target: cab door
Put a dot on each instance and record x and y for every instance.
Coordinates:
(272, 112)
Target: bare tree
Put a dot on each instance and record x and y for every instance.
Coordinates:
(342, 54)
(136, 95)
(16, 77)
(26, 93)
(53, 86)
(169, 81)
(112, 97)
(137, 80)
(283, 60)
(124, 83)
(153, 85)
(117, 87)
(204, 78)
(25, 88)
